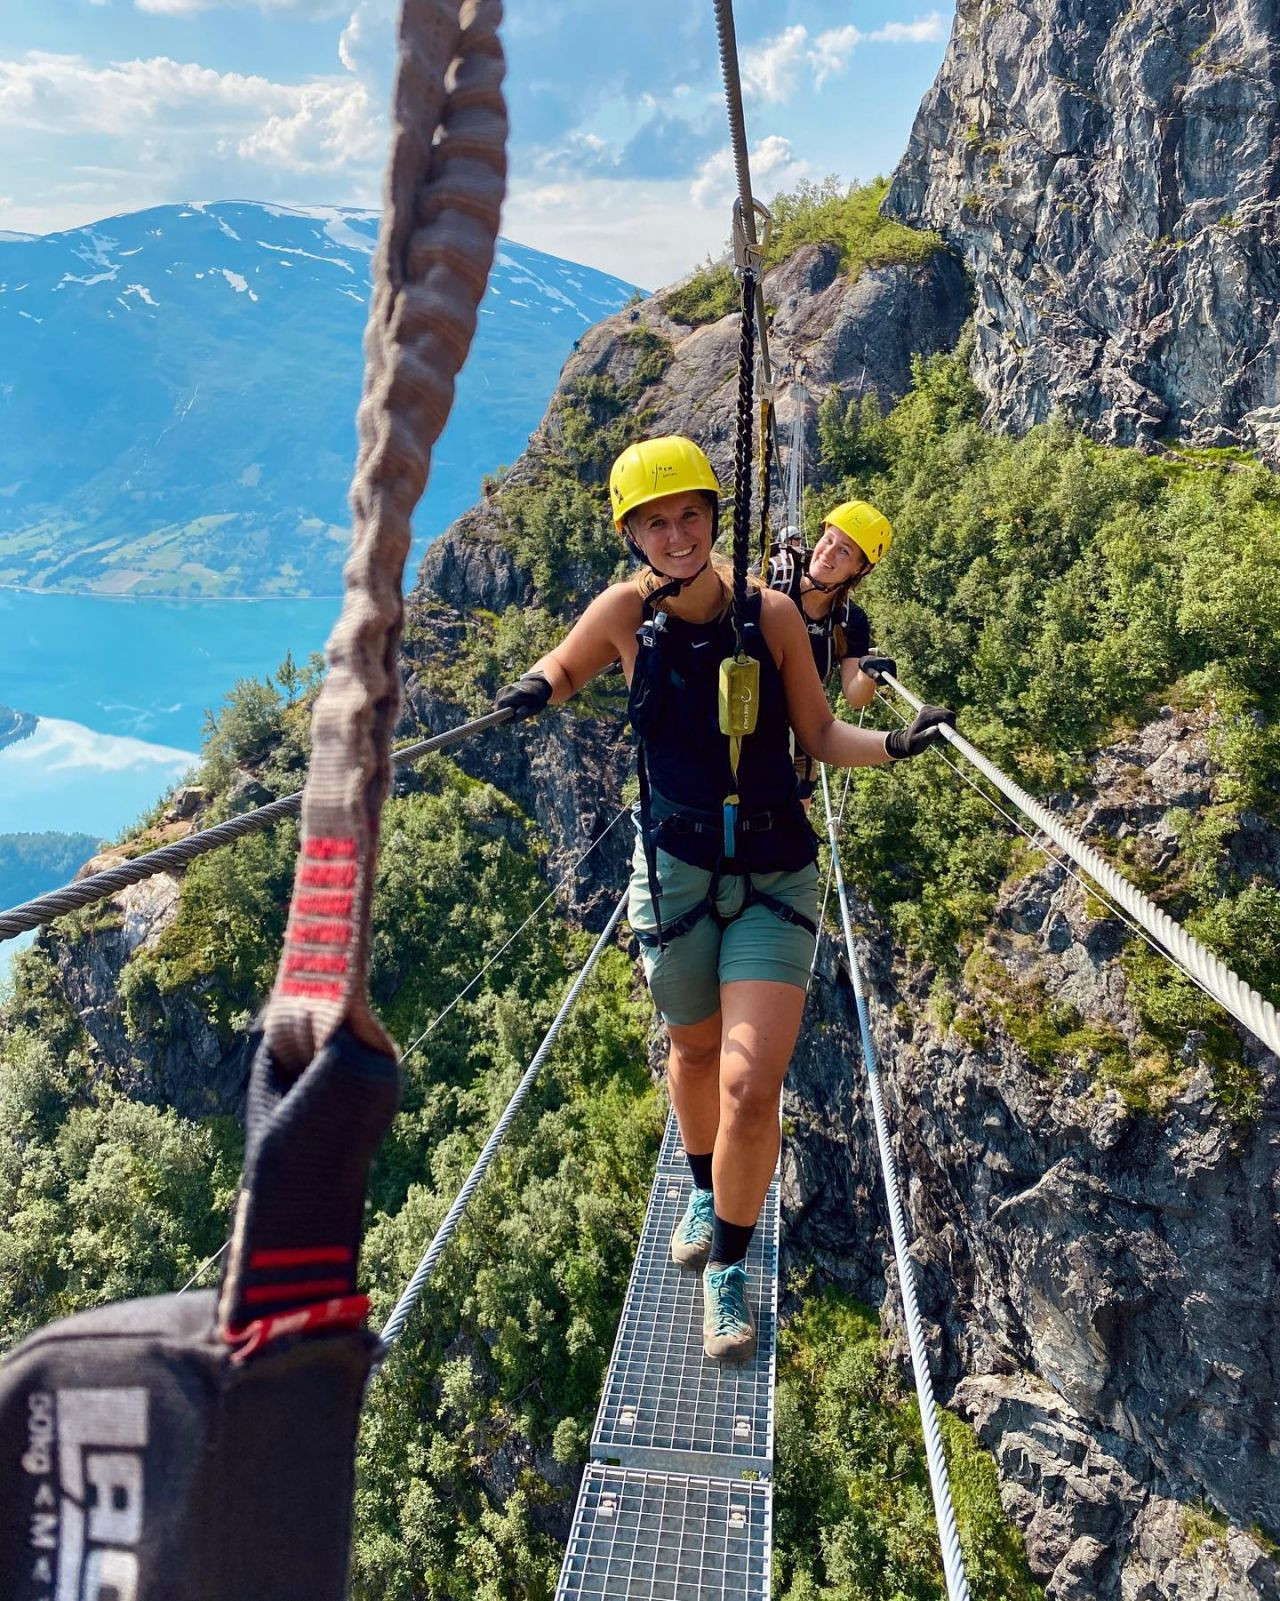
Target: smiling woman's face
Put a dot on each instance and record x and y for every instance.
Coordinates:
(836, 558)
(675, 532)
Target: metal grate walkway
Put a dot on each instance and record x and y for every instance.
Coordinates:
(677, 1501)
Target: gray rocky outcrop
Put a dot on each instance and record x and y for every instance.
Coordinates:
(1102, 1284)
(178, 1059)
(469, 569)
(1110, 173)
(852, 337)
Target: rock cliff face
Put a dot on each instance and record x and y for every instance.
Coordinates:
(1110, 173)
(1103, 1284)
(853, 338)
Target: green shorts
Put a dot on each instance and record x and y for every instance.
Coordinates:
(686, 977)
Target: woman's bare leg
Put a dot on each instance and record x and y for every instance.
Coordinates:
(760, 1025)
(693, 1081)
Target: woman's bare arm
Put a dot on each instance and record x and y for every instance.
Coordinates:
(826, 739)
(604, 633)
(859, 690)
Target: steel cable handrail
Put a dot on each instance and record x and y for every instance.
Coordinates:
(72, 897)
(1037, 844)
(1244, 1003)
(395, 1324)
(939, 1480)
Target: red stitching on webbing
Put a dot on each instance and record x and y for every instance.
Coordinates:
(336, 905)
(299, 1256)
(303, 931)
(286, 1292)
(344, 1312)
(315, 962)
(326, 848)
(334, 877)
(311, 989)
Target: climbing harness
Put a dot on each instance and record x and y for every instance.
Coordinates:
(774, 837)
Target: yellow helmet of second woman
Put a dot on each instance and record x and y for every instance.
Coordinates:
(869, 529)
(657, 467)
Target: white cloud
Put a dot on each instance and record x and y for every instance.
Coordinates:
(772, 161)
(927, 30)
(328, 124)
(56, 745)
(49, 93)
(832, 52)
(332, 126)
(771, 71)
(774, 70)
(188, 8)
(648, 232)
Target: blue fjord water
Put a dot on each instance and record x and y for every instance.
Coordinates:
(222, 381)
(121, 688)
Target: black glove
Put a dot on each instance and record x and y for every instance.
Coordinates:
(875, 664)
(903, 742)
(525, 698)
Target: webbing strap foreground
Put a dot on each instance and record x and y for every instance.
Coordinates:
(443, 194)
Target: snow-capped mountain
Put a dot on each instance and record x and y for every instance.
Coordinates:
(178, 390)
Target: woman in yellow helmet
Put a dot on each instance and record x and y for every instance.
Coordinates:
(723, 898)
(855, 536)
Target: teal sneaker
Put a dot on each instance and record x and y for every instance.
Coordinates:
(728, 1327)
(691, 1241)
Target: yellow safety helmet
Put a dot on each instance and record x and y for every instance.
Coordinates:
(657, 467)
(869, 529)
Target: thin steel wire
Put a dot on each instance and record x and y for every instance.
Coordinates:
(204, 1267)
(826, 888)
(1241, 1000)
(939, 1481)
(544, 902)
(58, 902)
(395, 1324)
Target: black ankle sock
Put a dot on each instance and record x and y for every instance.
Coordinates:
(729, 1241)
(700, 1167)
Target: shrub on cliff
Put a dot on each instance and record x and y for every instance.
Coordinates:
(853, 1511)
(1056, 591)
(829, 212)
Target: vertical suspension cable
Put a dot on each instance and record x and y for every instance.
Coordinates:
(939, 1480)
(742, 458)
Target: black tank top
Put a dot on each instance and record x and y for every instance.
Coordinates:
(674, 709)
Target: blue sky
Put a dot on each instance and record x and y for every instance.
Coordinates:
(619, 150)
